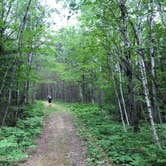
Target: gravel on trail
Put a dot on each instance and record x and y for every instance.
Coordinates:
(58, 144)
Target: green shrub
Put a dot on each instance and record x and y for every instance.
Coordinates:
(15, 140)
(106, 140)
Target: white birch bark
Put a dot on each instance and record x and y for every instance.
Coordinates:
(118, 100)
(160, 9)
(147, 98)
(128, 63)
(122, 96)
(145, 83)
(151, 16)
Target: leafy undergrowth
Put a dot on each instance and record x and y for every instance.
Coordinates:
(14, 141)
(107, 143)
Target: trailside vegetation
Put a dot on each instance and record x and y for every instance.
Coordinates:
(108, 144)
(14, 141)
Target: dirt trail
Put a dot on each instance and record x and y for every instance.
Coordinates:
(58, 144)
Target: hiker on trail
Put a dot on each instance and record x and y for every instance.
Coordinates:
(49, 99)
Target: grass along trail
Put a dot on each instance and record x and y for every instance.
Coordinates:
(58, 144)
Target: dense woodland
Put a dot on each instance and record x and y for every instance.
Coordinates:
(113, 58)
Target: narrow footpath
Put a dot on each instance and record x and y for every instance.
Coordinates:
(58, 144)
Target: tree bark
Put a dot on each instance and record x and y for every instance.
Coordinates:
(145, 82)
(156, 111)
(4, 79)
(128, 64)
(161, 12)
(118, 100)
(122, 96)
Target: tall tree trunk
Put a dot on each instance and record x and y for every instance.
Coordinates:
(147, 97)
(145, 82)
(22, 27)
(161, 12)
(128, 64)
(92, 100)
(122, 96)
(2, 8)
(27, 82)
(109, 59)
(9, 100)
(151, 16)
(119, 103)
(4, 80)
(83, 88)
(80, 93)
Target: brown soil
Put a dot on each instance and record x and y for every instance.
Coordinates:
(58, 144)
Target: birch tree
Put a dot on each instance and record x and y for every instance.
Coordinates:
(144, 78)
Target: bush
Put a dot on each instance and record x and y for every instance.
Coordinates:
(15, 140)
(106, 140)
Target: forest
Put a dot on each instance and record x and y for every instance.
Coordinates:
(109, 69)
